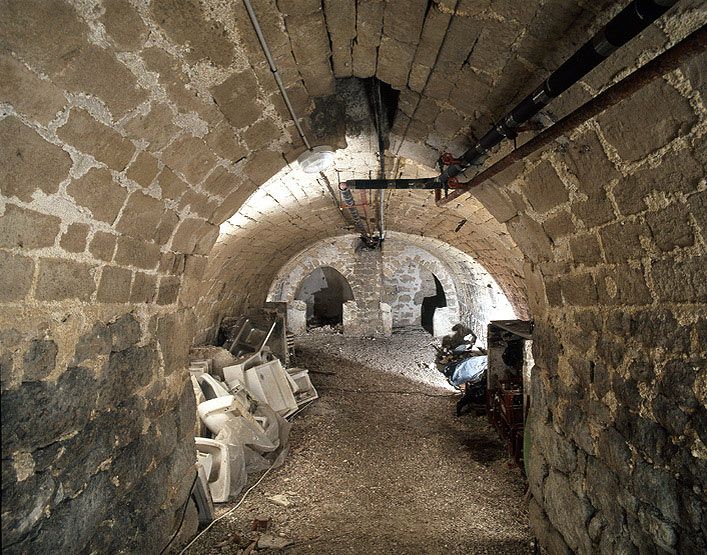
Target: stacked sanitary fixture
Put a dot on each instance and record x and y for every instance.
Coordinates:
(242, 427)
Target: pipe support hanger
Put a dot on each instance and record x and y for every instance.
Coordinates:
(623, 27)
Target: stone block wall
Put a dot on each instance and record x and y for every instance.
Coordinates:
(443, 321)
(408, 280)
(114, 175)
(297, 317)
(359, 267)
(364, 270)
(612, 226)
(472, 294)
(97, 426)
(132, 132)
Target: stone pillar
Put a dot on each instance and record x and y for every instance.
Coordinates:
(387, 319)
(297, 317)
(443, 320)
(351, 318)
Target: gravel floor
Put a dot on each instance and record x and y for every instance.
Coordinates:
(380, 464)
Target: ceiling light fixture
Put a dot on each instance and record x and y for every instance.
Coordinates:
(316, 159)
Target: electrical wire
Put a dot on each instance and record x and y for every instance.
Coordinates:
(184, 512)
(337, 201)
(386, 392)
(251, 488)
(300, 409)
(381, 129)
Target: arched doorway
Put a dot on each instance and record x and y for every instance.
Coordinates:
(325, 291)
(430, 304)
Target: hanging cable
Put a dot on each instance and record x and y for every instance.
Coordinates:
(381, 128)
(183, 551)
(181, 520)
(363, 201)
(356, 216)
(337, 202)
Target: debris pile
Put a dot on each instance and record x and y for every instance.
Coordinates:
(338, 328)
(465, 367)
(377, 466)
(244, 398)
(259, 539)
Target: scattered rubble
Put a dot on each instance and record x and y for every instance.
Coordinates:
(280, 500)
(326, 330)
(260, 524)
(266, 541)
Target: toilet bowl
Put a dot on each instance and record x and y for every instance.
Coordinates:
(217, 413)
(211, 386)
(206, 461)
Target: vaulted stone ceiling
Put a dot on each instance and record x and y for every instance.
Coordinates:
(188, 85)
(130, 132)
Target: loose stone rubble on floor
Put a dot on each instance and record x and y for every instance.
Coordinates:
(380, 464)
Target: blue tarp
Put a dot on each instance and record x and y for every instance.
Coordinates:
(469, 370)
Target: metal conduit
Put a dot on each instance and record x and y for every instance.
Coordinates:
(274, 70)
(691, 45)
(356, 216)
(334, 198)
(380, 123)
(413, 183)
(350, 203)
(628, 23)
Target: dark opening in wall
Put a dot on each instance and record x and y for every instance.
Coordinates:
(430, 304)
(325, 291)
(389, 100)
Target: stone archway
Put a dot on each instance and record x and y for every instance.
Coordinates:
(410, 271)
(324, 292)
(389, 283)
(141, 132)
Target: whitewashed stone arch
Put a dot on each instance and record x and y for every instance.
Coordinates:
(370, 311)
(405, 260)
(324, 253)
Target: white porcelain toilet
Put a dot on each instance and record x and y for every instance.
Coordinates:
(211, 386)
(216, 413)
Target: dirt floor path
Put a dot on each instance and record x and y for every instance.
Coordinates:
(380, 464)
